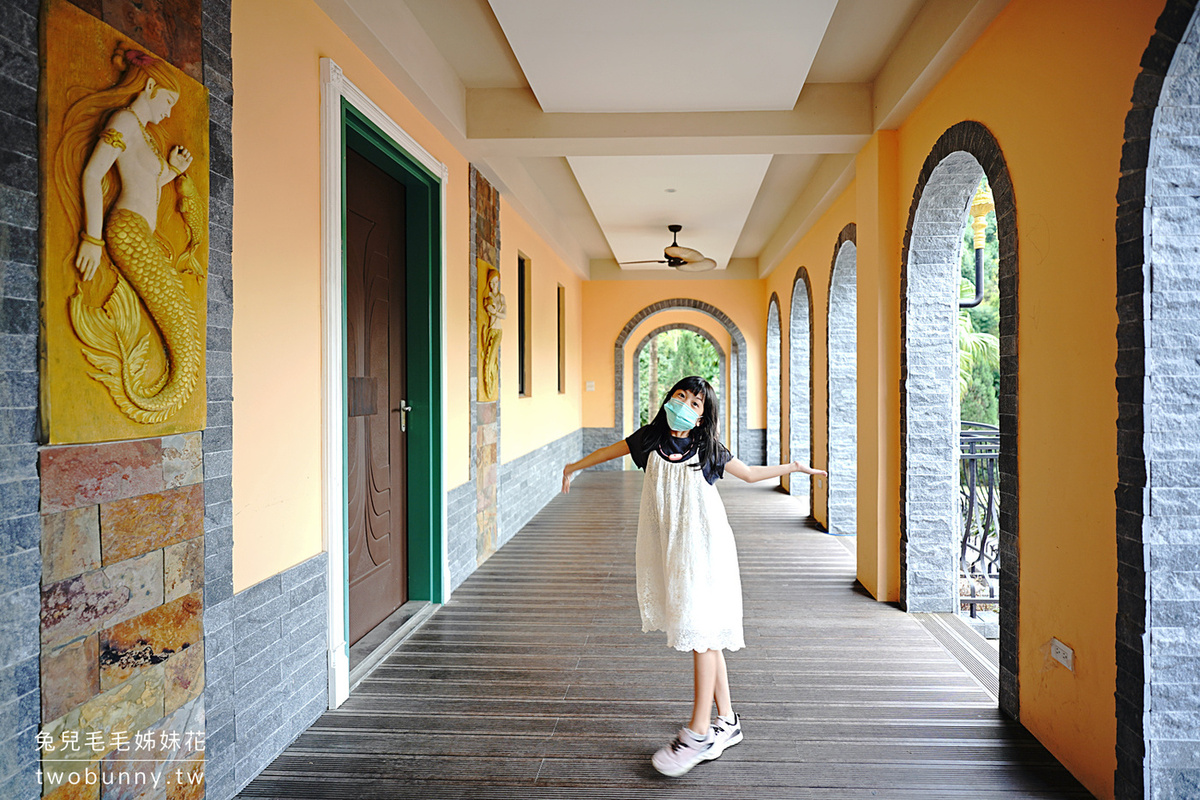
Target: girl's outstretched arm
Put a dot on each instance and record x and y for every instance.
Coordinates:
(751, 474)
(616, 450)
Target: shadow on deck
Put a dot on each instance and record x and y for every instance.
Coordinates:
(535, 681)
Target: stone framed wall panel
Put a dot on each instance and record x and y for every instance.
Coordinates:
(842, 384)
(1157, 511)
(964, 153)
(800, 384)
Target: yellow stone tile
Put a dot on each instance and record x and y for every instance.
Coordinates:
(89, 732)
(183, 568)
(185, 676)
(70, 543)
(87, 786)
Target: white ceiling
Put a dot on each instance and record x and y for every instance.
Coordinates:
(635, 198)
(667, 55)
(584, 112)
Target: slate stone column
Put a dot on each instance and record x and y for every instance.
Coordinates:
(20, 529)
(485, 417)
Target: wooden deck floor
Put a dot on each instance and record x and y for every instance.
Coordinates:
(535, 681)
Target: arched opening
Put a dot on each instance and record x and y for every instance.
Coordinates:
(842, 337)
(931, 521)
(736, 394)
(774, 367)
(670, 352)
(800, 380)
(1158, 372)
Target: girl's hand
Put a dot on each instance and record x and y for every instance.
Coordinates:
(798, 466)
(87, 259)
(566, 480)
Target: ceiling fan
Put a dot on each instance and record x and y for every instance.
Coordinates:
(684, 259)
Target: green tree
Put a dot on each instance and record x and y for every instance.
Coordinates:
(680, 353)
(979, 329)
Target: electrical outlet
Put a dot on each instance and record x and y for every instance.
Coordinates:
(1062, 654)
(819, 484)
(591, 386)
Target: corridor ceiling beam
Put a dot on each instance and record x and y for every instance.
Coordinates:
(827, 118)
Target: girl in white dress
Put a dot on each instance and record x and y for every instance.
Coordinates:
(687, 572)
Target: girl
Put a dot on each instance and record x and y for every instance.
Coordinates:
(687, 574)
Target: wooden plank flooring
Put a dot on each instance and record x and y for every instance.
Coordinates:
(535, 681)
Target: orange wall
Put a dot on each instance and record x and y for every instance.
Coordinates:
(533, 421)
(609, 305)
(815, 252)
(1052, 81)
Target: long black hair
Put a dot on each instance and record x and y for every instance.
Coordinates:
(706, 436)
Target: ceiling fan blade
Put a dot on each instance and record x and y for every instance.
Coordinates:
(656, 261)
(685, 253)
(703, 265)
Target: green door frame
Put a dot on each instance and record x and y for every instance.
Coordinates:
(423, 320)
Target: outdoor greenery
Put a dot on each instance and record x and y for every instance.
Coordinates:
(668, 357)
(979, 331)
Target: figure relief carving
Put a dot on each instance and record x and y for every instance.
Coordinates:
(127, 245)
(492, 309)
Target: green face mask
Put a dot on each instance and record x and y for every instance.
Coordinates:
(680, 416)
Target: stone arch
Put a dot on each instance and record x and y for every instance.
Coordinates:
(800, 380)
(774, 362)
(1157, 380)
(928, 387)
(842, 352)
(722, 365)
(737, 369)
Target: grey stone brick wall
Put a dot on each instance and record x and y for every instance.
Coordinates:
(774, 377)
(842, 333)
(754, 446)
(460, 532)
(1158, 395)
(800, 381)
(529, 482)
(275, 635)
(20, 528)
(595, 438)
(928, 437)
(219, 612)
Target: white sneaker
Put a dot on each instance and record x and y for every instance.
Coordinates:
(683, 753)
(725, 735)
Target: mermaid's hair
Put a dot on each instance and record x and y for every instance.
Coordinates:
(86, 119)
(707, 433)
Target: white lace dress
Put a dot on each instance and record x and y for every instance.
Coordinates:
(687, 568)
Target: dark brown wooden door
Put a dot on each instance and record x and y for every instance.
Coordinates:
(376, 451)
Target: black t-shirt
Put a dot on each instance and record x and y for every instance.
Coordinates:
(644, 441)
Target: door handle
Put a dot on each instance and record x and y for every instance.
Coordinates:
(403, 410)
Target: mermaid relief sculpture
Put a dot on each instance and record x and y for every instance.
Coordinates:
(110, 171)
(494, 308)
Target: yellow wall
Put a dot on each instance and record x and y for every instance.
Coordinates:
(609, 305)
(1052, 81)
(815, 252)
(545, 415)
(277, 272)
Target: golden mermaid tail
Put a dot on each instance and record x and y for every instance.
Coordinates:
(110, 332)
(192, 211)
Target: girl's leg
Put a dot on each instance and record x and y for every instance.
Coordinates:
(721, 690)
(705, 665)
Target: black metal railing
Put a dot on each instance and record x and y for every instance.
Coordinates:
(979, 493)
